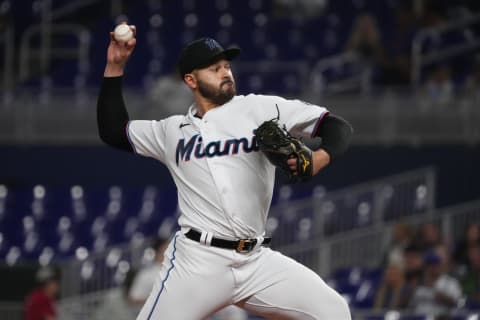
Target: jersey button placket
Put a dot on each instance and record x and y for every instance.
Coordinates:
(208, 134)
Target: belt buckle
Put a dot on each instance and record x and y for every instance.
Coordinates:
(246, 245)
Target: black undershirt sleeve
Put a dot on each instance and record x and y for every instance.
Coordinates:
(112, 116)
(336, 134)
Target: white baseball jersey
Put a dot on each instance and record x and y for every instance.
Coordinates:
(225, 187)
(224, 184)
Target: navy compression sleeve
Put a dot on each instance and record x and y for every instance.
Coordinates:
(112, 116)
(336, 134)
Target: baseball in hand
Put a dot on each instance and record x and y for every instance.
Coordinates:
(123, 32)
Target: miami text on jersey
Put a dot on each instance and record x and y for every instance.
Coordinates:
(214, 148)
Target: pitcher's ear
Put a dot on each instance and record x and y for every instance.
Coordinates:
(190, 80)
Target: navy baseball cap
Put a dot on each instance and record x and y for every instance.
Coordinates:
(201, 53)
(432, 258)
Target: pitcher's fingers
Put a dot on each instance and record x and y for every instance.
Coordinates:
(131, 43)
(292, 161)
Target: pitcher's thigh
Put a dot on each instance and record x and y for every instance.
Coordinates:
(187, 287)
(299, 293)
(186, 298)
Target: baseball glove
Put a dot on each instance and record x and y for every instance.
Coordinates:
(279, 146)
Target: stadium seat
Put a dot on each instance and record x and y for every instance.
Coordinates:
(365, 295)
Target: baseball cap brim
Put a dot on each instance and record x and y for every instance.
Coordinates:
(232, 53)
(229, 54)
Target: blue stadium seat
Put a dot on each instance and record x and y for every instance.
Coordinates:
(64, 218)
(365, 295)
(352, 275)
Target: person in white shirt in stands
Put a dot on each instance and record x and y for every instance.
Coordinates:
(143, 282)
(438, 293)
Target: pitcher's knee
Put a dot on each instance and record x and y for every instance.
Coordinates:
(343, 308)
(338, 309)
(335, 307)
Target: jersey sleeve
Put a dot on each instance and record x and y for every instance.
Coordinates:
(300, 118)
(147, 137)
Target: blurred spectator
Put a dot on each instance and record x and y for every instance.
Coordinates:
(398, 45)
(303, 9)
(470, 238)
(439, 87)
(366, 43)
(471, 280)
(438, 292)
(144, 280)
(169, 95)
(413, 272)
(429, 237)
(115, 304)
(401, 238)
(444, 253)
(41, 303)
(365, 40)
(392, 290)
(5, 16)
(471, 5)
(433, 13)
(472, 84)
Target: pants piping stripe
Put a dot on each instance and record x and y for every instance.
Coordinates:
(166, 278)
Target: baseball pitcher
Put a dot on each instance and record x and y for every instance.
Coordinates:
(222, 156)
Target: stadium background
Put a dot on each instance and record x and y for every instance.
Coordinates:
(411, 92)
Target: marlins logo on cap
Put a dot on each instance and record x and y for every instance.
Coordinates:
(212, 44)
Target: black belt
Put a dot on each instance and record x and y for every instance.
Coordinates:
(241, 246)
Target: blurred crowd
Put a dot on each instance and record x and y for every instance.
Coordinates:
(383, 46)
(424, 272)
(383, 51)
(389, 56)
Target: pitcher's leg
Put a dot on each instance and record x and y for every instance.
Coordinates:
(188, 287)
(295, 292)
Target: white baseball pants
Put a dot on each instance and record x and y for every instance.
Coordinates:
(197, 280)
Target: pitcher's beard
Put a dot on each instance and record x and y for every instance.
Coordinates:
(218, 96)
